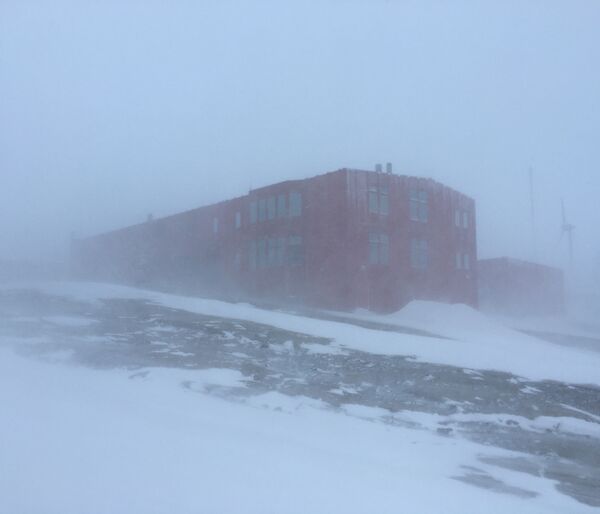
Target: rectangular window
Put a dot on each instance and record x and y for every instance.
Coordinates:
(271, 208)
(379, 200)
(465, 219)
(373, 248)
(253, 212)
(252, 255)
(466, 261)
(281, 211)
(379, 248)
(457, 217)
(384, 249)
(373, 205)
(295, 252)
(262, 210)
(419, 254)
(295, 204)
(419, 205)
(238, 219)
(261, 257)
(237, 261)
(384, 204)
(215, 225)
(423, 206)
(271, 251)
(458, 260)
(280, 251)
(414, 210)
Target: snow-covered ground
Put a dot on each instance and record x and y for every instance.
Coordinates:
(76, 440)
(478, 341)
(152, 439)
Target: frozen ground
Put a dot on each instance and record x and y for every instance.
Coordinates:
(121, 400)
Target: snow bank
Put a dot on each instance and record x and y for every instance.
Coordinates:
(77, 440)
(456, 321)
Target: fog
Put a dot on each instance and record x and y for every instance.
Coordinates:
(113, 110)
(327, 345)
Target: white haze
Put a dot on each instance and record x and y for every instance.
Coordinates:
(112, 110)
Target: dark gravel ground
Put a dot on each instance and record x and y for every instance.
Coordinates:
(135, 334)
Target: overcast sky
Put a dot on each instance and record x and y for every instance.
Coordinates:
(112, 110)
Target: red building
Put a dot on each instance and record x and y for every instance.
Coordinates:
(342, 240)
(514, 287)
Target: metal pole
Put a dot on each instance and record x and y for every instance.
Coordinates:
(532, 207)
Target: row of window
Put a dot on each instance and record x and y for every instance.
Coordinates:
(379, 202)
(418, 205)
(419, 202)
(280, 206)
(275, 251)
(290, 205)
(279, 251)
(379, 252)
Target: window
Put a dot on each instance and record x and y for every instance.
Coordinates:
(281, 212)
(252, 255)
(378, 199)
(384, 204)
(280, 251)
(253, 212)
(275, 247)
(271, 208)
(295, 253)
(237, 261)
(419, 254)
(373, 204)
(463, 261)
(419, 205)
(379, 248)
(238, 219)
(271, 251)
(266, 253)
(215, 225)
(461, 218)
(261, 253)
(262, 210)
(295, 204)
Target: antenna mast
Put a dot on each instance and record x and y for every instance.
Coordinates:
(568, 229)
(532, 213)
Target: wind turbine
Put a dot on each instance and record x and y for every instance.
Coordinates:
(567, 228)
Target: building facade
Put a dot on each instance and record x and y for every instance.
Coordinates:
(342, 240)
(515, 287)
